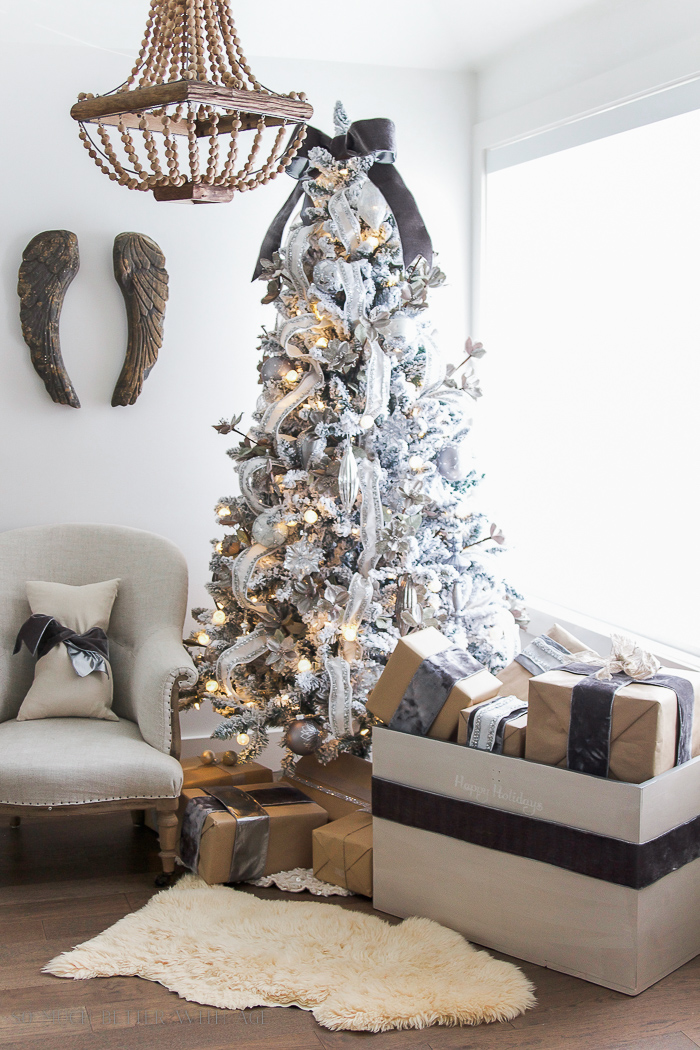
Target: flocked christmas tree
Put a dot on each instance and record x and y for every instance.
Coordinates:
(356, 521)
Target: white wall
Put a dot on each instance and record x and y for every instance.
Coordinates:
(598, 56)
(158, 465)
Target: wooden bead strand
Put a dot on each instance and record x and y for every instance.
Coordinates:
(213, 163)
(193, 146)
(230, 163)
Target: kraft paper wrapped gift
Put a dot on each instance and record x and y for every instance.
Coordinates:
(536, 658)
(290, 829)
(421, 691)
(340, 787)
(197, 774)
(643, 730)
(343, 853)
(509, 737)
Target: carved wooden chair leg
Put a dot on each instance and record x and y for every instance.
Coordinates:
(138, 817)
(167, 831)
(15, 822)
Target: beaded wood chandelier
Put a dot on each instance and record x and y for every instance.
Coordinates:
(191, 90)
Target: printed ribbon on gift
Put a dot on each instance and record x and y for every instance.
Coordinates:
(592, 700)
(248, 647)
(487, 722)
(340, 698)
(252, 836)
(374, 138)
(88, 652)
(542, 655)
(429, 689)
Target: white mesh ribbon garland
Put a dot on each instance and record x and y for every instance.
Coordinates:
(371, 512)
(345, 221)
(243, 568)
(244, 649)
(361, 593)
(354, 288)
(378, 381)
(293, 327)
(279, 410)
(297, 248)
(340, 698)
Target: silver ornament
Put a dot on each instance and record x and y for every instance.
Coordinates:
(302, 736)
(268, 530)
(275, 368)
(406, 601)
(371, 206)
(348, 481)
(461, 593)
(401, 327)
(453, 462)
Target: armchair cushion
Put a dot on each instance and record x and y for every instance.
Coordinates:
(68, 761)
(57, 690)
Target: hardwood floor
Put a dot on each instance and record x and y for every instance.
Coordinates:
(64, 880)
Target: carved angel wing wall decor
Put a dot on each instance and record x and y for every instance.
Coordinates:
(139, 267)
(49, 263)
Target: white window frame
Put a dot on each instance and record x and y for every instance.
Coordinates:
(525, 135)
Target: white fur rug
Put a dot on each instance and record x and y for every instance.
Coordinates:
(224, 948)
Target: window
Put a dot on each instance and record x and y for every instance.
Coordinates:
(591, 319)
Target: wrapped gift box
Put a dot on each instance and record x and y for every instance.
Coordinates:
(340, 787)
(537, 657)
(343, 853)
(197, 774)
(417, 690)
(593, 877)
(644, 731)
(513, 732)
(290, 831)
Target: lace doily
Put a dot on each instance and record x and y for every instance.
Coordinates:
(299, 879)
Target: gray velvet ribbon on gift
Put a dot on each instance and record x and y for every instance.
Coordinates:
(592, 700)
(429, 689)
(364, 138)
(252, 837)
(88, 652)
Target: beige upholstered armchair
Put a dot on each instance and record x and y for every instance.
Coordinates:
(64, 763)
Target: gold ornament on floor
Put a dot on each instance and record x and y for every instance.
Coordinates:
(191, 81)
(229, 758)
(207, 758)
(302, 736)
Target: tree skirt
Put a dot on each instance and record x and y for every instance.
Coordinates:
(224, 948)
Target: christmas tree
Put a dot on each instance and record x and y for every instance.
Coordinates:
(356, 520)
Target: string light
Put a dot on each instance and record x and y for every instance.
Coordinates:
(415, 463)
(203, 638)
(310, 517)
(224, 512)
(367, 422)
(219, 547)
(416, 411)
(322, 342)
(364, 732)
(349, 633)
(243, 739)
(195, 705)
(292, 375)
(355, 530)
(435, 586)
(371, 242)
(212, 685)
(304, 665)
(218, 617)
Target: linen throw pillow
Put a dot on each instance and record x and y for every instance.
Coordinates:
(57, 691)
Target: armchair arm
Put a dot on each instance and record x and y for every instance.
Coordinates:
(161, 665)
